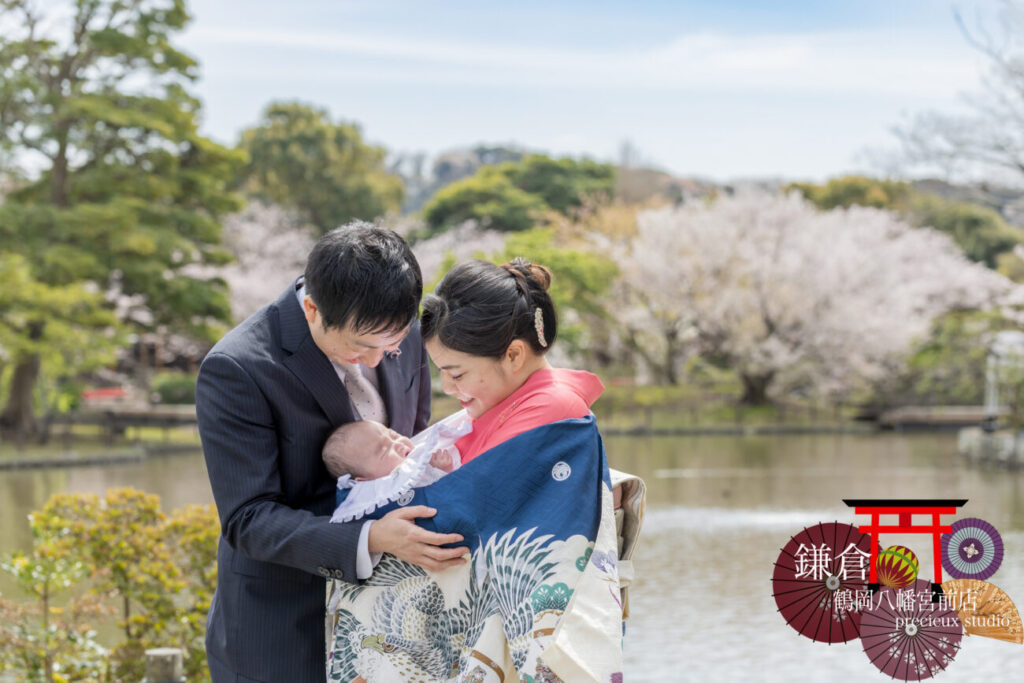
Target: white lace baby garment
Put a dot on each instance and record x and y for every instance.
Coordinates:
(366, 496)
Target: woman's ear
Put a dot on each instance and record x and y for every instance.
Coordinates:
(515, 354)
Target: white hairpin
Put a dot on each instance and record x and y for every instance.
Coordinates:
(538, 324)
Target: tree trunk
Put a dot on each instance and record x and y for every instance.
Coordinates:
(59, 191)
(755, 388)
(671, 351)
(18, 418)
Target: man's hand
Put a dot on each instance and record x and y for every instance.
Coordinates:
(397, 533)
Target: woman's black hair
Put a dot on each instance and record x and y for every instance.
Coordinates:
(365, 276)
(479, 308)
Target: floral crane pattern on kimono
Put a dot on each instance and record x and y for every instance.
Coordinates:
(539, 601)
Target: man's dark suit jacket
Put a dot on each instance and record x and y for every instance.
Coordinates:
(267, 398)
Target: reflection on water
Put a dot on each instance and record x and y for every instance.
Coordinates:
(720, 509)
(177, 479)
(815, 472)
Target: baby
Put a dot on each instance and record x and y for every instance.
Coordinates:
(365, 450)
(378, 465)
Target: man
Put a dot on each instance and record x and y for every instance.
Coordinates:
(268, 395)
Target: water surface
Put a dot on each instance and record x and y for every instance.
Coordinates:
(720, 509)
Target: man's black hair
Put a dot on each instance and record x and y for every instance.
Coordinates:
(365, 277)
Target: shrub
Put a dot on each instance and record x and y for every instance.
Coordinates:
(173, 388)
(117, 555)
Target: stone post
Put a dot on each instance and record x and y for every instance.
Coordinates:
(164, 665)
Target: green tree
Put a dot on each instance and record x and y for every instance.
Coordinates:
(980, 232)
(489, 198)
(122, 195)
(54, 327)
(298, 157)
(947, 367)
(514, 196)
(854, 190)
(561, 183)
(1011, 264)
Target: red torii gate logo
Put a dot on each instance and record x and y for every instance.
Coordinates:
(905, 510)
(910, 628)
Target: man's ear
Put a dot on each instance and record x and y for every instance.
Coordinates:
(309, 309)
(515, 354)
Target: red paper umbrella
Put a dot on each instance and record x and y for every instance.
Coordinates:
(906, 635)
(820, 581)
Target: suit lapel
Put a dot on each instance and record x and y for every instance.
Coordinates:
(395, 374)
(309, 363)
(313, 369)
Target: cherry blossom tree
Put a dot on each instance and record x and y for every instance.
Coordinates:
(437, 254)
(270, 245)
(790, 297)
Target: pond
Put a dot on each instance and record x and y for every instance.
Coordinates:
(719, 511)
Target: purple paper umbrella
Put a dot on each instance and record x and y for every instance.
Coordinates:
(906, 635)
(974, 549)
(817, 579)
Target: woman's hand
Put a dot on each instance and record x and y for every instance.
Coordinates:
(397, 533)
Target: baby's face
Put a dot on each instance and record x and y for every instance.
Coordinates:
(385, 449)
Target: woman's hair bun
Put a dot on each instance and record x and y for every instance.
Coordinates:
(434, 311)
(533, 273)
(480, 308)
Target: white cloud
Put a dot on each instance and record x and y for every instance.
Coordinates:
(871, 62)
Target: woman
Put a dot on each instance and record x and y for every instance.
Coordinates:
(488, 329)
(540, 596)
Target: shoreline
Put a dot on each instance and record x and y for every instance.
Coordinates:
(741, 430)
(141, 452)
(74, 459)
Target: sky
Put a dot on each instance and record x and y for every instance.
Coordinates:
(720, 90)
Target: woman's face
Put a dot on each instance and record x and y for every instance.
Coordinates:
(478, 382)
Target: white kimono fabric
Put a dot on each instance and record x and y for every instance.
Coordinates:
(538, 601)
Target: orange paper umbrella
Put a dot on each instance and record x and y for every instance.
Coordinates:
(984, 609)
